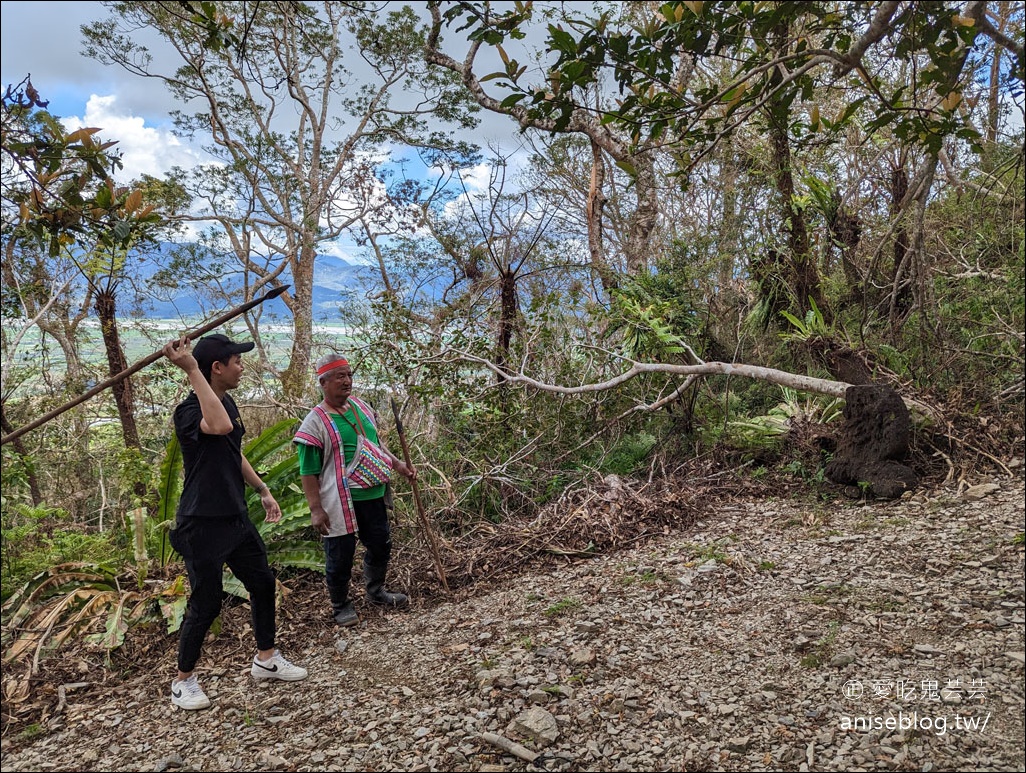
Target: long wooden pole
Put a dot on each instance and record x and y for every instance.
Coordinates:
(416, 496)
(148, 360)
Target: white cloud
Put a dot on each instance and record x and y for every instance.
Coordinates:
(144, 149)
(341, 249)
(477, 178)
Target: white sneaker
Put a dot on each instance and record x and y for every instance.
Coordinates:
(188, 694)
(276, 668)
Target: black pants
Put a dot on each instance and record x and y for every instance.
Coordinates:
(375, 535)
(207, 545)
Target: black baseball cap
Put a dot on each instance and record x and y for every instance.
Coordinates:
(218, 348)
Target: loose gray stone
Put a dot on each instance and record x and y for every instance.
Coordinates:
(735, 671)
(538, 724)
(981, 491)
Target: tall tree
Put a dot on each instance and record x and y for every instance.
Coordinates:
(582, 119)
(69, 205)
(294, 122)
(776, 55)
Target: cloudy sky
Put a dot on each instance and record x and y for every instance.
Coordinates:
(43, 39)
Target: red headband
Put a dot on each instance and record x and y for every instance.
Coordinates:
(332, 365)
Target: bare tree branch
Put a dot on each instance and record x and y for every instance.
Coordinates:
(783, 378)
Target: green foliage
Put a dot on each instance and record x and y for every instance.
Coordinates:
(220, 29)
(649, 324)
(31, 731)
(133, 470)
(233, 586)
(173, 602)
(36, 538)
(67, 196)
(813, 325)
(561, 607)
(272, 455)
(799, 468)
(289, 540)
(169, 490)
(642, 54)
(757, 434)
(979, 290)
(628, 454)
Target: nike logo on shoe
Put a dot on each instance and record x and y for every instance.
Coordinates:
(176, 693)
(272, 669)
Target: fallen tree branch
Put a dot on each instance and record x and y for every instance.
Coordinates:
(509, 746)
(792, 380)
(781, 377)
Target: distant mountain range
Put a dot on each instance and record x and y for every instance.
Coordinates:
(335, 280)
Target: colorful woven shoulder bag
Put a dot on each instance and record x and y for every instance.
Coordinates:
(370, 465)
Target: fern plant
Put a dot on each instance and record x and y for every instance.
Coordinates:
(814, 325)
(771, 429)
(647, 324)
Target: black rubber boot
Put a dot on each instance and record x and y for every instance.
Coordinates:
(374, 577)
(342, 607)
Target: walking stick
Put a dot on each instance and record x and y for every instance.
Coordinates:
(149, 359)
(416, 496)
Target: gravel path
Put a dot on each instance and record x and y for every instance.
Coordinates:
(773, 636)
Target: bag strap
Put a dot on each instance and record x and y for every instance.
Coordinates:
(358, 427)
(365, 409)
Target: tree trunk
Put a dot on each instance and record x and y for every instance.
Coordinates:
(799, 269)
(507, 317)
(106, 308)
(901, 286)
(1003, 13)
(372, 237)
(595, 204)
(645, 216)
(19, 447)
(296, 380)
(923, 295)
(846, 233)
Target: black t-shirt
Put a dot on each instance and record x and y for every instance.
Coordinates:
(214, 485)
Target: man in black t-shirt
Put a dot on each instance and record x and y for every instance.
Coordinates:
(212, 527)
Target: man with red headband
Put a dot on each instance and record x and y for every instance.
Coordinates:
(344, 469)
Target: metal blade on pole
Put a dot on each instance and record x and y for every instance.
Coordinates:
(416, 496)
(148, 360)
